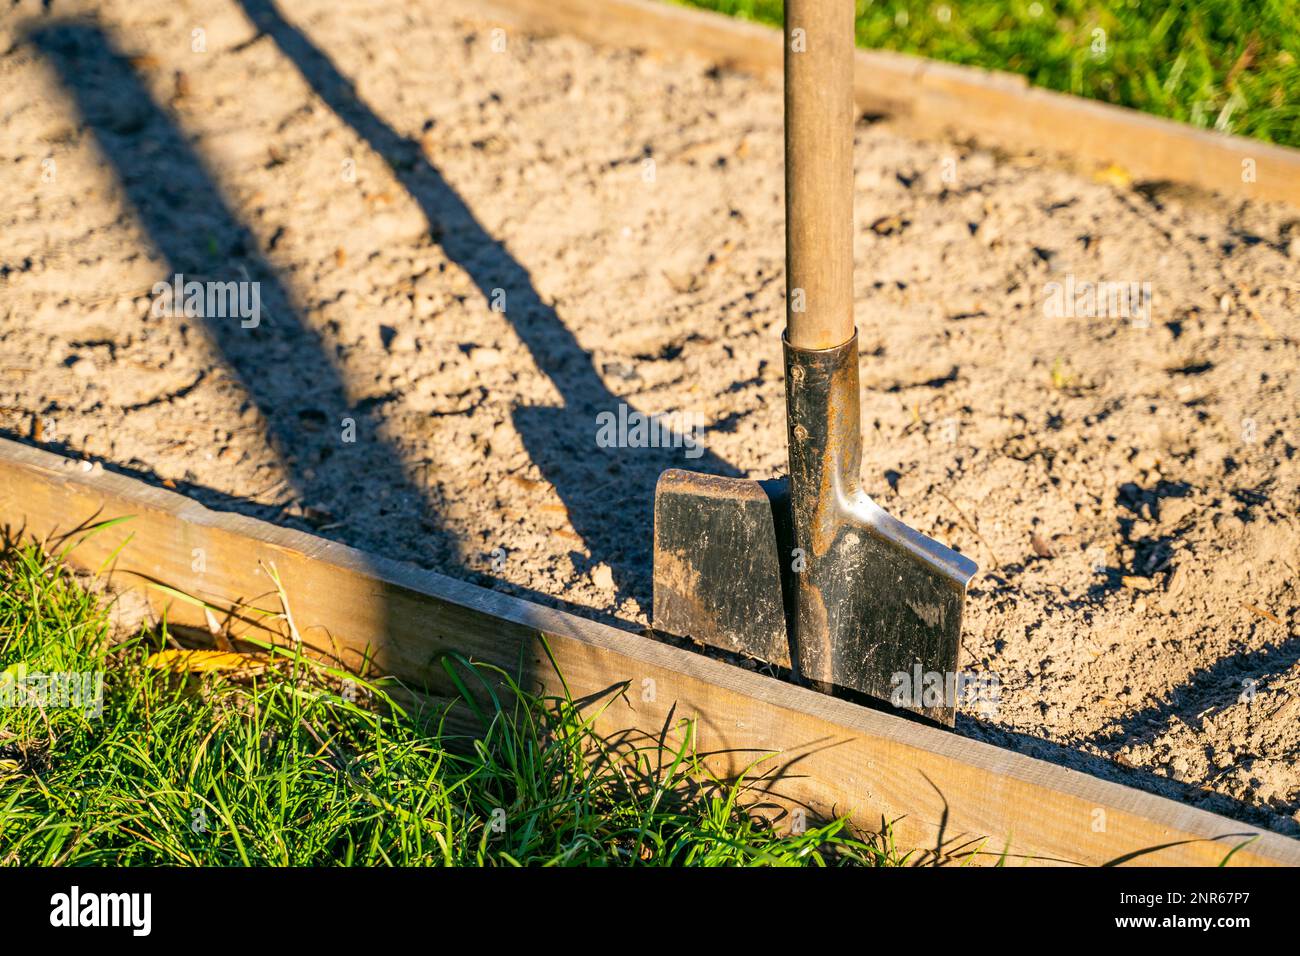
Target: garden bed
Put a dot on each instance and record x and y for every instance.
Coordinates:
(1128, 487)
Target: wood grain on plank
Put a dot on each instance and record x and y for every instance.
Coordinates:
(944, 794)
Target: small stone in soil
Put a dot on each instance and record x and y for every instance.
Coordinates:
(603, 577)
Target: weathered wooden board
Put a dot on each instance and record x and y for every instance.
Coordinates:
(943, 793)
(933, 99)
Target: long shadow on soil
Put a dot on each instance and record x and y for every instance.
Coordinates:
(1217, 685)
(281, 361)
(1221, 683)
(591, 481)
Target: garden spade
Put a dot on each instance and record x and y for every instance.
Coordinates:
(808, 572)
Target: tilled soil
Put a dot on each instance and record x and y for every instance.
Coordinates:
(470, 244)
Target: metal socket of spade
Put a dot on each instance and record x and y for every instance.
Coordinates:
(809, 572)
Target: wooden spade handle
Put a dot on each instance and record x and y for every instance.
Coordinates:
(819, 41)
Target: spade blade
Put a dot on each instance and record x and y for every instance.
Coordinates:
(717, 571)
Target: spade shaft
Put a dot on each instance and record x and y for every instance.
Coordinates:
(819, 172)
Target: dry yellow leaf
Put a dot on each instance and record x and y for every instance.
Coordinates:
(1114, 176)
(1266, 615)
(1140, 584)
(201, 662)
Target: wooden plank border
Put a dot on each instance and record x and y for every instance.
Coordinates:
(944, 794)
(941, 100)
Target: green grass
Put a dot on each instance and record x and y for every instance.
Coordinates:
(1231, 65)
(290, 765)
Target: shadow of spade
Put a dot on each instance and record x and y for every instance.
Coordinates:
(608, 492)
